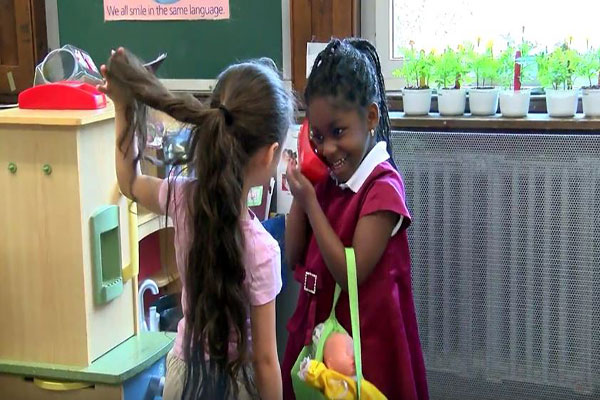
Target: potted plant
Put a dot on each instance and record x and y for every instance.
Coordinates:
(483, 98)
(416, 71)
(589, 68)
(448, 70)
(513, 70)
(555, 73)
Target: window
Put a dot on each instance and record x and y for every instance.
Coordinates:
(436, 24)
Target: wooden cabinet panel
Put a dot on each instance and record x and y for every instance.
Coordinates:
(319, 21)
(35, 210)
(8, 33)
(301, 27)
(23, 43)
(40, 33)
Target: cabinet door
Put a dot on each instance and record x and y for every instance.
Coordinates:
(16, 46)
(40, 247)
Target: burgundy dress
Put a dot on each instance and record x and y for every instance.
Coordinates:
(391, 351)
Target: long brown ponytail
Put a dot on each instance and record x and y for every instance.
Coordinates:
(249, 109)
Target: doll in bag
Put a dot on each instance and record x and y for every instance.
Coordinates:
(335, 377)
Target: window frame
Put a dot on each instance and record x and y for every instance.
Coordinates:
(376, 26)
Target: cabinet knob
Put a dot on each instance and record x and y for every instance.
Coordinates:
(12, 167)
(47, 169)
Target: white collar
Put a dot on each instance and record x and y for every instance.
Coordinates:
(376, 156)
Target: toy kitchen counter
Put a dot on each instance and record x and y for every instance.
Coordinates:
(130, 371)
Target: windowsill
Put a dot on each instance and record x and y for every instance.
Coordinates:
(537, 105)
(533, 122)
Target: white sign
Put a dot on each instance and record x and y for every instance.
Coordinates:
(312, 51)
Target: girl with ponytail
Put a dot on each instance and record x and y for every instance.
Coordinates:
(361, 205)
(229, 265)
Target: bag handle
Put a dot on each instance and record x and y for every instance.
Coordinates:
(354, 318)
(336, 296)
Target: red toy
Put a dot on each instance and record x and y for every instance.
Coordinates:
(517, 78)
(310, 164)
(64, 95)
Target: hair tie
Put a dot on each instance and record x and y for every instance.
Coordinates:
(226, 114)
(334, 45)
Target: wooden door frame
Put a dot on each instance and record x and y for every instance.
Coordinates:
(40, 30)
(32, 46)
(318, 20)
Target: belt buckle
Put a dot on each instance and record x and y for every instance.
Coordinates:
(314, 286)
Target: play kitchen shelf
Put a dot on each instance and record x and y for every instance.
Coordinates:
(130, 371)
(148, 222)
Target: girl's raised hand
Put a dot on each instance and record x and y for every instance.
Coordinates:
(121, 96)
(302, 189)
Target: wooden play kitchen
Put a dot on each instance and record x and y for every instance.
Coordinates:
(68, 251)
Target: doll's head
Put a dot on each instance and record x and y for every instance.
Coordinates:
(338, 353)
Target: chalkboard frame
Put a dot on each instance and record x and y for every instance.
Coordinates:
(58, 35)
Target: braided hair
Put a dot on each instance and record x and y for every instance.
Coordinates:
(349, 71)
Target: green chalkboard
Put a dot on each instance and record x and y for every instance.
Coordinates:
(196, 49)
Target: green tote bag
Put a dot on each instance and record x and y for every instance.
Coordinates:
(314, 351)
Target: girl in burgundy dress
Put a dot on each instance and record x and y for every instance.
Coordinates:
(361, 206)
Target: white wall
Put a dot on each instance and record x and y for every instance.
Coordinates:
(367, 20)
(52, 24)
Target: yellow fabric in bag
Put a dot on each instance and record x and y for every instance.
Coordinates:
(336, 386)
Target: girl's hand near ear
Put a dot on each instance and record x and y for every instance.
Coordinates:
(302, 189)
(121, 96)
(297, 224)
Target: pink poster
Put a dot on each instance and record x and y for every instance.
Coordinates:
(116, 10)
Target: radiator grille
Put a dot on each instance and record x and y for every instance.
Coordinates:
(505, 249)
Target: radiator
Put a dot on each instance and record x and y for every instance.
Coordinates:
(505, 246)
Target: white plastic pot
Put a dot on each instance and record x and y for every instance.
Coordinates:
(416, 101)
(561, 103)
(515, 104)
(591, 102)
(483, 101)
(452, 101)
